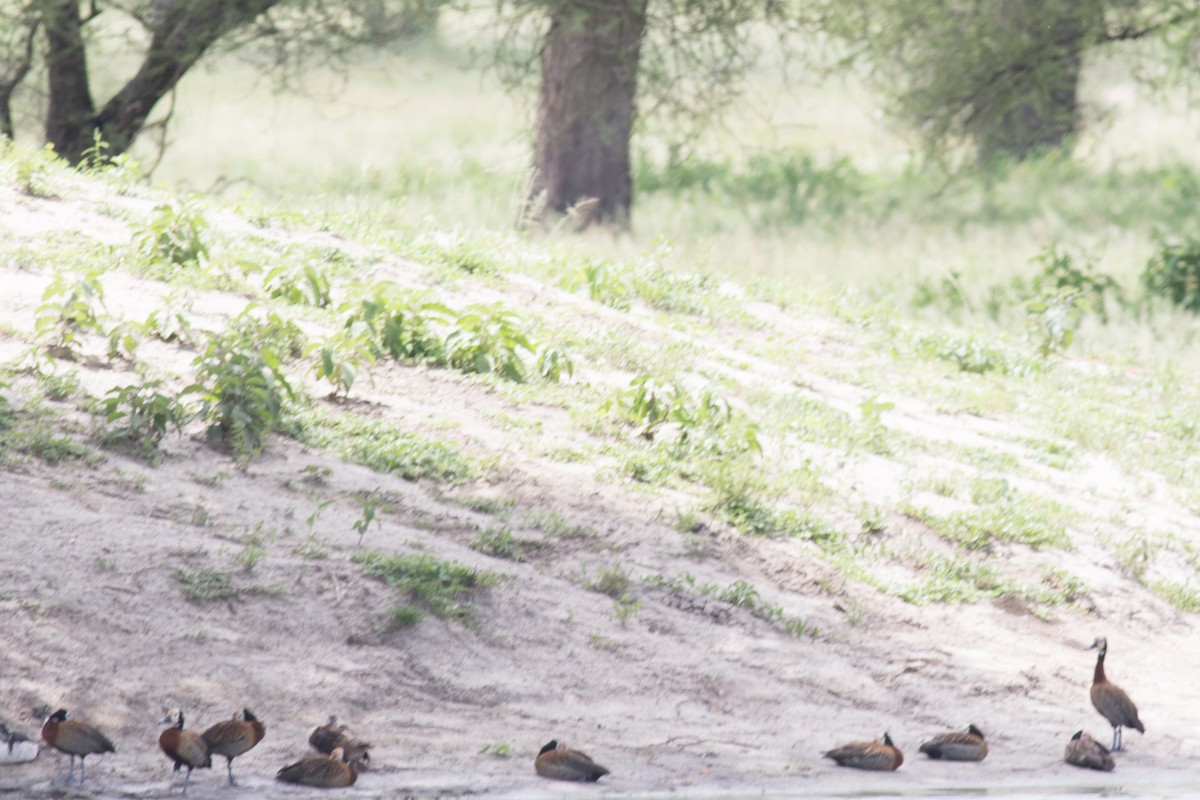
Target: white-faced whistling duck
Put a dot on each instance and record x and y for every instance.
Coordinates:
(74, 738)
(233, 737)
(324, 772)
(16, 748)
(331, 735)
(1110, 700)
(965, 745)
(564, 764)
(880, 755)
(1084, 751)
(185, 748)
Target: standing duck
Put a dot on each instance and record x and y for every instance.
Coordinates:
(233, 737)
(331, 735)
(1084, 751)
(185, 748)
(324, 772)
(75, 738)
(880, 755)
(1110, 700)
(564, 764)
(16, 748)
(965, 745)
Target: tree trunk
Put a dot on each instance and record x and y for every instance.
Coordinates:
(70, 113)
(587, 109)
(1034, 103)
(181, 31)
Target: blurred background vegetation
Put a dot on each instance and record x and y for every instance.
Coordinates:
(1029, 165)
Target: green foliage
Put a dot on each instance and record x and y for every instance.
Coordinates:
(302, 284)
(1174, 273)
(1011, 520)
(489, 339)
(142, 414)
(1183, 596)
(204, 585)
(242, 388)
(613, 581)
(35, 171)
(782, 187)
(500, 543)
(172, 238)
(954, 580)
(380, 446)
(444, 588)
(667, 412)
(370, 505)
(973, 354)
(401, 324)
(72, 305)
(341, 356)
(555, 362)
(606, 284)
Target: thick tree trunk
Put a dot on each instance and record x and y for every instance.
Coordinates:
(1034, 105)
(587, 109)
(70, 113)
(181, 32)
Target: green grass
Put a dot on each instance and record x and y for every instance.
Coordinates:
(443, 588)
(380, 446)
(204, 586)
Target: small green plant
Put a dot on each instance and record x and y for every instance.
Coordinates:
(242, 392)
(1174, 273)
(303, 285)
(500, 543)
(204, 585)
(72, 305)
(59, 385)
(625, 607)
(443, 587)
(489, 339)
(370, 505)
(401, 324)
(613, 581)
(497, 749)
(142, 414)
(707, 423)
(35, 170)
(554, 362)
(404, 616)
(172, 238)
(339, 359)
(606, 284)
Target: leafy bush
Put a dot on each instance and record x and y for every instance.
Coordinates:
(667, 412)
(1174, 273)
(142, 414)
(242, 389)
(487, 339)
(340, 357)
(304, 285)
(72, 304)
(402, 324)
(172, 239)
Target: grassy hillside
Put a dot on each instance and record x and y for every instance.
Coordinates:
(378, 450)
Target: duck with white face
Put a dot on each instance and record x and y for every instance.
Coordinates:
(1111, 700)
